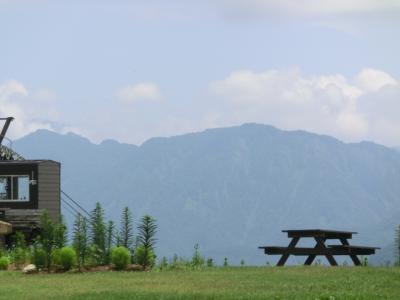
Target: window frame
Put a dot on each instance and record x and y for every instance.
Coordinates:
(17, 200)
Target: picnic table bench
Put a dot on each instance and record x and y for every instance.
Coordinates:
(320, 248)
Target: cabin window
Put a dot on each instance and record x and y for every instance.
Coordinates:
(14, 188)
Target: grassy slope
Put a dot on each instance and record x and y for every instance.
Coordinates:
(218, 283)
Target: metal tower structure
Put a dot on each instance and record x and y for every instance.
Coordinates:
(6, 153)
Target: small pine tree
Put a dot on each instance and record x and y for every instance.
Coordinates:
(242, 263)
(397, 246)
(98, 233)
(197, 259)
(175, 260)
(46, 237)
(118, 239)
(60, 233)
(109, 242)
(146, 238)
(80, 240)
(364, 261)
(127, 229)
(226, 262)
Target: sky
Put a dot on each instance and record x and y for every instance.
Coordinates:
(132, 70)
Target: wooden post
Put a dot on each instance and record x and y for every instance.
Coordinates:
(311, 257)
(284, 257)
(353, 257)
(321, 245)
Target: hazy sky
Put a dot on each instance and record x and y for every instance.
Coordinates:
(131, 70)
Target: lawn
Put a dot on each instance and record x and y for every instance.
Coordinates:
(215, 283)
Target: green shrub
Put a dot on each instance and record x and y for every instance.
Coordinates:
(120, 257)
(180, 263)
(18, 240)
(145, 256)
(19, 257)
(210, 262)
(67, 258)
(56, 256)
(163, 263)
(4, 263)
(94, 256)
(39, 257)
(3, 252)
(226, 264)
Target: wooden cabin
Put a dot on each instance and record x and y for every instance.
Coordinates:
(27, 188)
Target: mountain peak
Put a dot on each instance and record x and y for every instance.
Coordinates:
(45, 134)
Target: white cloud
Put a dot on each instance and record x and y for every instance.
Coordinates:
(11, 87)
(382, 109)
(141, 92)
(31, 112)
(364, 107)
(373, 80)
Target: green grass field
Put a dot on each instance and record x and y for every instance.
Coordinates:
(216, 283)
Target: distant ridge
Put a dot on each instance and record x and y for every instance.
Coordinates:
(233, 189)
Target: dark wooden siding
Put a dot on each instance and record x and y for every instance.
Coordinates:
(24, 220)
(49, 188)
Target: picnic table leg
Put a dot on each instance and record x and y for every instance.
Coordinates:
(284, 257)
(321, 245)
(310, 260)
(311, 257)
(353, 257)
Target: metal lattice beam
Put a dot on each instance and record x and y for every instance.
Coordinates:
(5, 127)
(9, 154)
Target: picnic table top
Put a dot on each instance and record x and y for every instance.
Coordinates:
(353, 247)
(325, 233)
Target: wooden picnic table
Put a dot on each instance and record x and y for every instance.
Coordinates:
(320, 236)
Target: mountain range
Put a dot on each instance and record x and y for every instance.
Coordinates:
(233, 189)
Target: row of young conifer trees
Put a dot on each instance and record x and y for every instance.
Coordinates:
(93, 242)
(93, 238)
